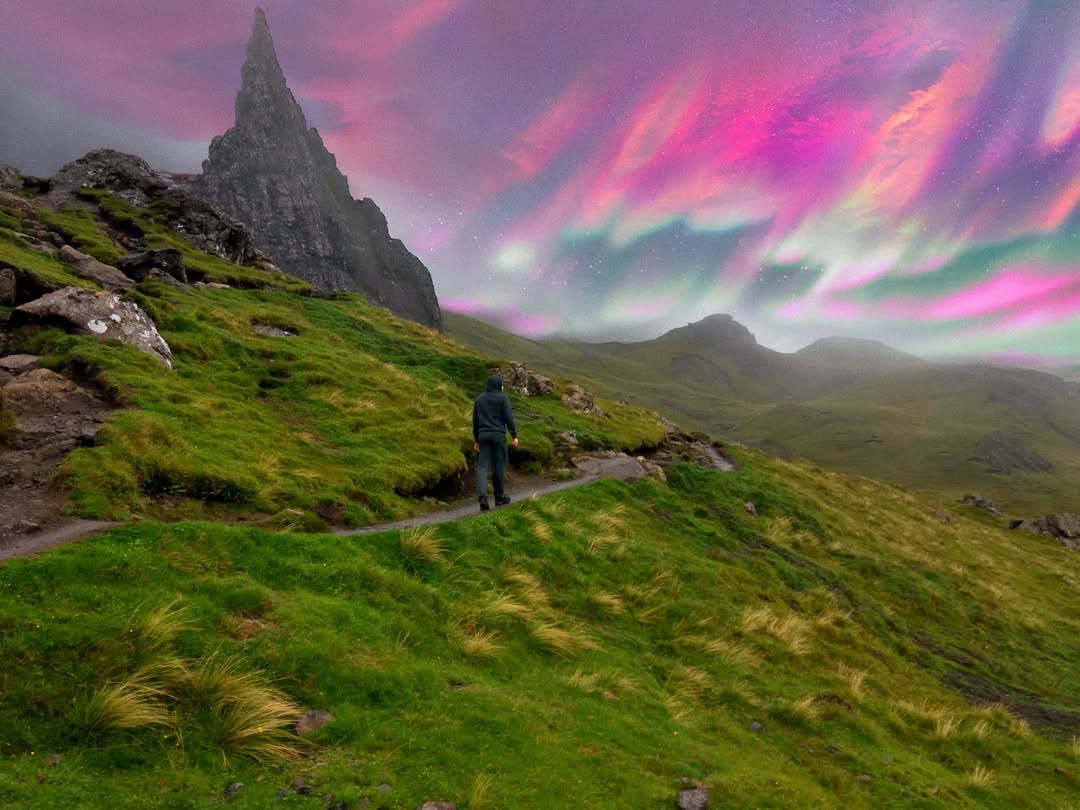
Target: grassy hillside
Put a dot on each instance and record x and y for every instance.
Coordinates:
(599, 648)
(603, 647)
(346, 420)
(851, 405)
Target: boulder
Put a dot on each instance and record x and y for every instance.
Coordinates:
(9, 285)
(438, 806)
(105, 315)
(20, 204)
(1062, 526)
(90, 268)
(693, 799)
(527, 383)
(979, 502)
(16, 364)
(10, 179)
(140, 266)
(581, 401)
(608, 464)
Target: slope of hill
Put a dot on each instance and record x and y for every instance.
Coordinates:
(1011, 434)
(838, 643)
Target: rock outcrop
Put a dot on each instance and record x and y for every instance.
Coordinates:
(526, 383)
(273, 173)
(104, 315)
(1063, 527)
(132, 179)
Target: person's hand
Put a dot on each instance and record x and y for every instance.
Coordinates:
(476, 446)
(515, 442)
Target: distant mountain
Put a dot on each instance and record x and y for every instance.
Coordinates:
(858, 405)
(274, 174)
(856, 354)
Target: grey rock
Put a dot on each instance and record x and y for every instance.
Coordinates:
(10, 179)
(9, 285)
(149, 263)
(693, 799)
(607, 464)
(750, 508)
(5, 377)
(438, 806)
(1006, 453)
(233, 789)
(18, 364)
(20, 204)
(310, 722)
(526, 383)
(864, 777)
(1062, 526)
(384, 788)
(943, 516)
(132, 179)
(581, 401)
(105, 315)
(979, 502)
(565, 442)
(90, 268)
(755, 726)
(212, 285)
(274, 173)
(271, 331)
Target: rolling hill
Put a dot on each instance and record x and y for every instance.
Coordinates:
(1010, 434)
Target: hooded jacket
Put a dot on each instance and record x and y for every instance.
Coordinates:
(491, 411)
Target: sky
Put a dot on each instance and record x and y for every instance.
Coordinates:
(611, 169)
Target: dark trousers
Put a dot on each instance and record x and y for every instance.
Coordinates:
(493, 455)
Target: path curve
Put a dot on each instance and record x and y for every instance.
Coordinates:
(597, 469)
(615, 467)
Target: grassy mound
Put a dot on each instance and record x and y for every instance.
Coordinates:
(598, 648)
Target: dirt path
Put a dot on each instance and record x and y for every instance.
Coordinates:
(519, 487)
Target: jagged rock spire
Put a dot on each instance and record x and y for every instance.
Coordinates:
(273, 173)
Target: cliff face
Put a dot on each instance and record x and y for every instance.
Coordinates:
(274, 174)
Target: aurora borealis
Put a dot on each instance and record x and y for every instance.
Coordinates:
(908, 172)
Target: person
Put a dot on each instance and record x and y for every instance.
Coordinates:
(492, 418)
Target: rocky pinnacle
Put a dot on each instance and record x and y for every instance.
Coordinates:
(273, 173)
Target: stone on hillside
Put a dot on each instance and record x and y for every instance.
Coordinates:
(565, 443)
(105, 315)
(652, 470)
(132, 179)
(140, 266)
(310, 722)
(693, 799)
(1062, 526)
(438, 806)
(609, 464)
(17, 364)
(750, 508)
(943, 516)
(20, 204)
(274, 173)
(10, 179)
(90, 268)
(979, 502)
(581, 401)
(233, 789)
(271, 331)
(527, 383)
(9, 285)
(5, 377)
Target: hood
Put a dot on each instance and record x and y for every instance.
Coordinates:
(494, 384)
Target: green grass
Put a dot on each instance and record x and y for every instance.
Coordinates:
(539, 669)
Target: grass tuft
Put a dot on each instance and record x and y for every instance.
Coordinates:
(609, 603)
(980, 777)
(125, 706)
(477, 643)
(854, 679)
(480, 793)
(422, 545)
(559, 640)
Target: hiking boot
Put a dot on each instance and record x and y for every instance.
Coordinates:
(484, 504)
(503, 501)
